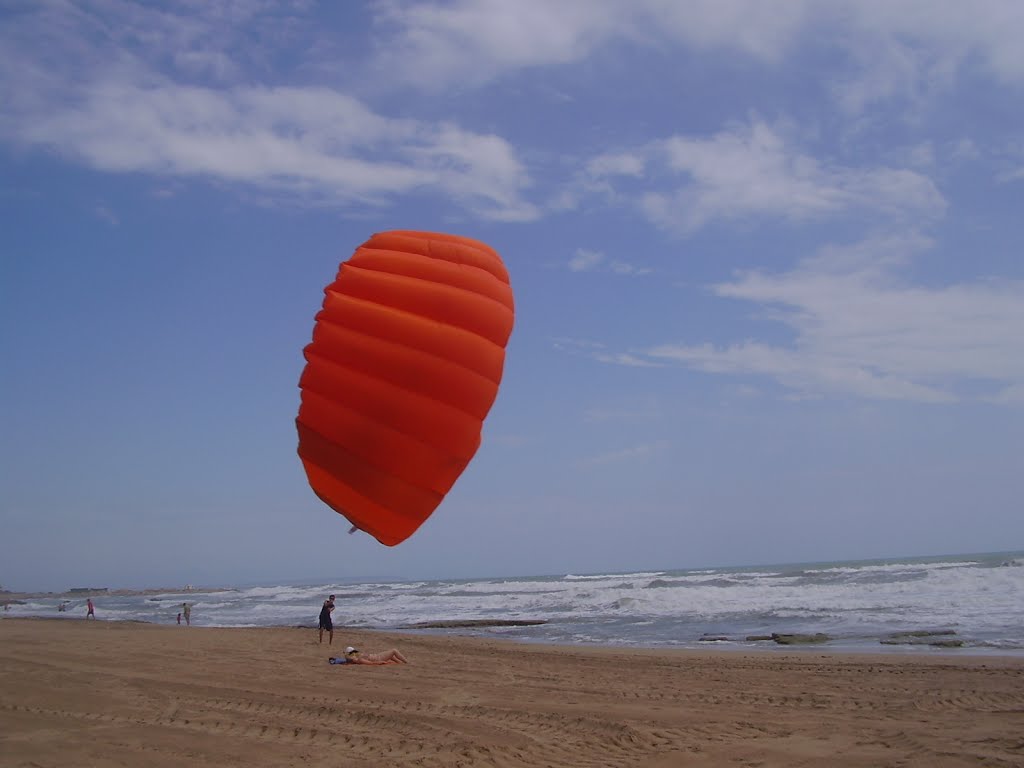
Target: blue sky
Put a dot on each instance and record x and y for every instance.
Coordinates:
(766, 257)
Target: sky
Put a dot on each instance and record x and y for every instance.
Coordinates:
(766, 259)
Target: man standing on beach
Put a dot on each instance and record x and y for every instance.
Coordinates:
(91, 607)
(186, 611)
(326, 622)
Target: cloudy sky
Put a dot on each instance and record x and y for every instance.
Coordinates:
(766, 256)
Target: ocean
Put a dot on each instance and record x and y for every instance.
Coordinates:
(977, 601)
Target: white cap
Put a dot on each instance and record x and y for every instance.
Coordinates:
(350, 649)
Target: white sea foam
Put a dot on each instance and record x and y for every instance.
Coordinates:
(610, 576)
(853, 601)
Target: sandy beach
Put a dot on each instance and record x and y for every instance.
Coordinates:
(77, 693)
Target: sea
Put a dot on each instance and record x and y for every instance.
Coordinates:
(976, 601)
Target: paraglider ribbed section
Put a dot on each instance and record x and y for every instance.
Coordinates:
(405, 363)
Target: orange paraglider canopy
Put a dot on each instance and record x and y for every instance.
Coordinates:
(405, 362)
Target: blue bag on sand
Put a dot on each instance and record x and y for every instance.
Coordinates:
(333, 660)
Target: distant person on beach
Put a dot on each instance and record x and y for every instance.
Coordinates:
(394, 656)
(91, 607)
(326, 623)
(186, 611)
(179, 617)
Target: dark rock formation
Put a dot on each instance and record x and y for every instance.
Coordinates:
(460, 623)
(942, 638)
(800, 639)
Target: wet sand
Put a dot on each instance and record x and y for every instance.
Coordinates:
(77, 693)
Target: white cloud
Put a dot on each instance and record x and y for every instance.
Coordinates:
(632, 453)
(1014, 174)
(476, 167)
(912, 48)
(621, 164)
(310, 142)
(103, 212)
(587, 261)
(761, 30)
(473, 41)
(145, 63)
(964, 149)
(627, 359)
(213, 64)
(599, 351)
(634, 412)
(859, 331)
(895, 49)
(807, 374)
(883, 68)
(1013, 395)
(752, 170)
(625, 268)
(109, 106)
(922, 155)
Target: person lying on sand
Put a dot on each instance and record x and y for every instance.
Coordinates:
(353, 656)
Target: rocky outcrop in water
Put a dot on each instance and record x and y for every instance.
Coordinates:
(461, 623)
(780, 638)
(800, 639)
(942, 638)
